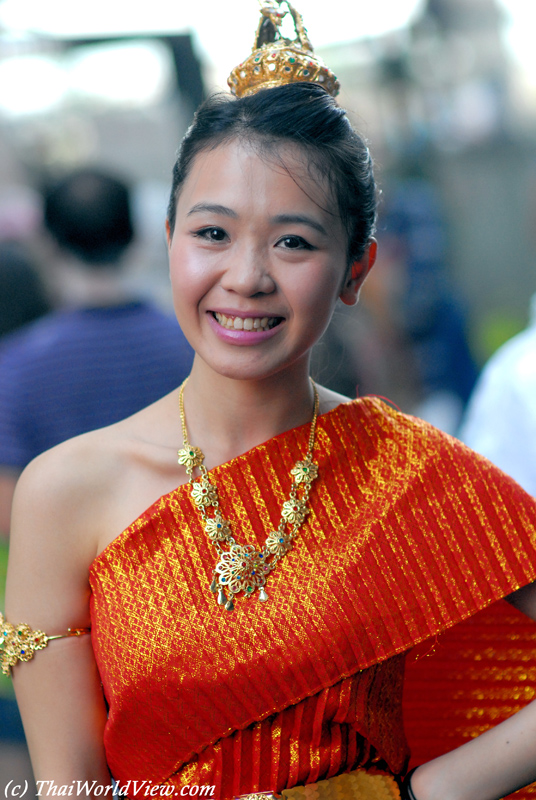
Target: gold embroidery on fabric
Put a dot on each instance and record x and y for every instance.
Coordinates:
(340, 613)
(356, 785)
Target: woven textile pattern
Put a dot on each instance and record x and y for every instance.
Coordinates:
(409, 532)
(469, 679)
(350, 786)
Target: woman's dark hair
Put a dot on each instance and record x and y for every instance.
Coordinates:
(303, 114)
(88, 213)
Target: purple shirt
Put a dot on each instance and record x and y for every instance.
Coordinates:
(77, 370)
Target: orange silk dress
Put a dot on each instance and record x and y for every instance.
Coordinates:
(409, 532)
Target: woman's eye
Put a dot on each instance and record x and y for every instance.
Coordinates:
(294, 243)
(212, 234)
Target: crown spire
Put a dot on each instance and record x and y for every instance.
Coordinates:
(275, 60)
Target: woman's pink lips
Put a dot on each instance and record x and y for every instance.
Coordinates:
(240, 337)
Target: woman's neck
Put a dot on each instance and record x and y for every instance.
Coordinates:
(227, 417)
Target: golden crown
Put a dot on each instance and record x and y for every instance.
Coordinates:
(275, 61)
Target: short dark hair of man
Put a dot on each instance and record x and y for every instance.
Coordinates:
(88, 213)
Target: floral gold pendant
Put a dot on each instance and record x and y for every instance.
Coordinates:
(245, 568)
(242, 569)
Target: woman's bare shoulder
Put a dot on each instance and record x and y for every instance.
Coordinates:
(72, 473)
(94, 466)
(55, 500)
(87, 490)
(70, 502)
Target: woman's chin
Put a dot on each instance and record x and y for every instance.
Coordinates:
(255, 370)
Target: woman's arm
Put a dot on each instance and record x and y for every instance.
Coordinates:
(494, 764)
(58, 691)
(63, 710)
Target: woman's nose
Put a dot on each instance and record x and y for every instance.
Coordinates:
(248, 273)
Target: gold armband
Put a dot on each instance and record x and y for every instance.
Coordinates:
(19, 643)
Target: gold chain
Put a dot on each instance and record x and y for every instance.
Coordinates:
(243, 568)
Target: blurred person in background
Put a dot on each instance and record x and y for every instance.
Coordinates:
(23, 297)
(501, 417)
(424, 312)
(409, 342)
(100, 359)
(429, 313)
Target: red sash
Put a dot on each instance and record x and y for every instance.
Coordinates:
(409, 533)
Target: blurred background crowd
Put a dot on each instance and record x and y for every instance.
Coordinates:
(445, 90)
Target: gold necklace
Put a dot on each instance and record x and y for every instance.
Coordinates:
(243, 568)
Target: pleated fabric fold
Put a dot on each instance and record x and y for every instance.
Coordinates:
(409, 532)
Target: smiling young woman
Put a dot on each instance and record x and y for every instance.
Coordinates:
(250, 606)
(258, 261)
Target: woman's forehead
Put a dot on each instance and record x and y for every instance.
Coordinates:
(246, 172)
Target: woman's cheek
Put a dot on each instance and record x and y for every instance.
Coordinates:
(322, 290)
(180, 271)
(186, 273)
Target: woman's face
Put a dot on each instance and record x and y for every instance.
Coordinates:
(256, 262)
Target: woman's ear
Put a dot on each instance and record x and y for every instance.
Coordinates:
(359, 271)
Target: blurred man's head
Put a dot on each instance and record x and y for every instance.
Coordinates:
(88, 213)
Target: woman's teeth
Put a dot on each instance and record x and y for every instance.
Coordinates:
(247, 323)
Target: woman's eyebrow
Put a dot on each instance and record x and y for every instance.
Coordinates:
(298, 219)
(212, 208)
